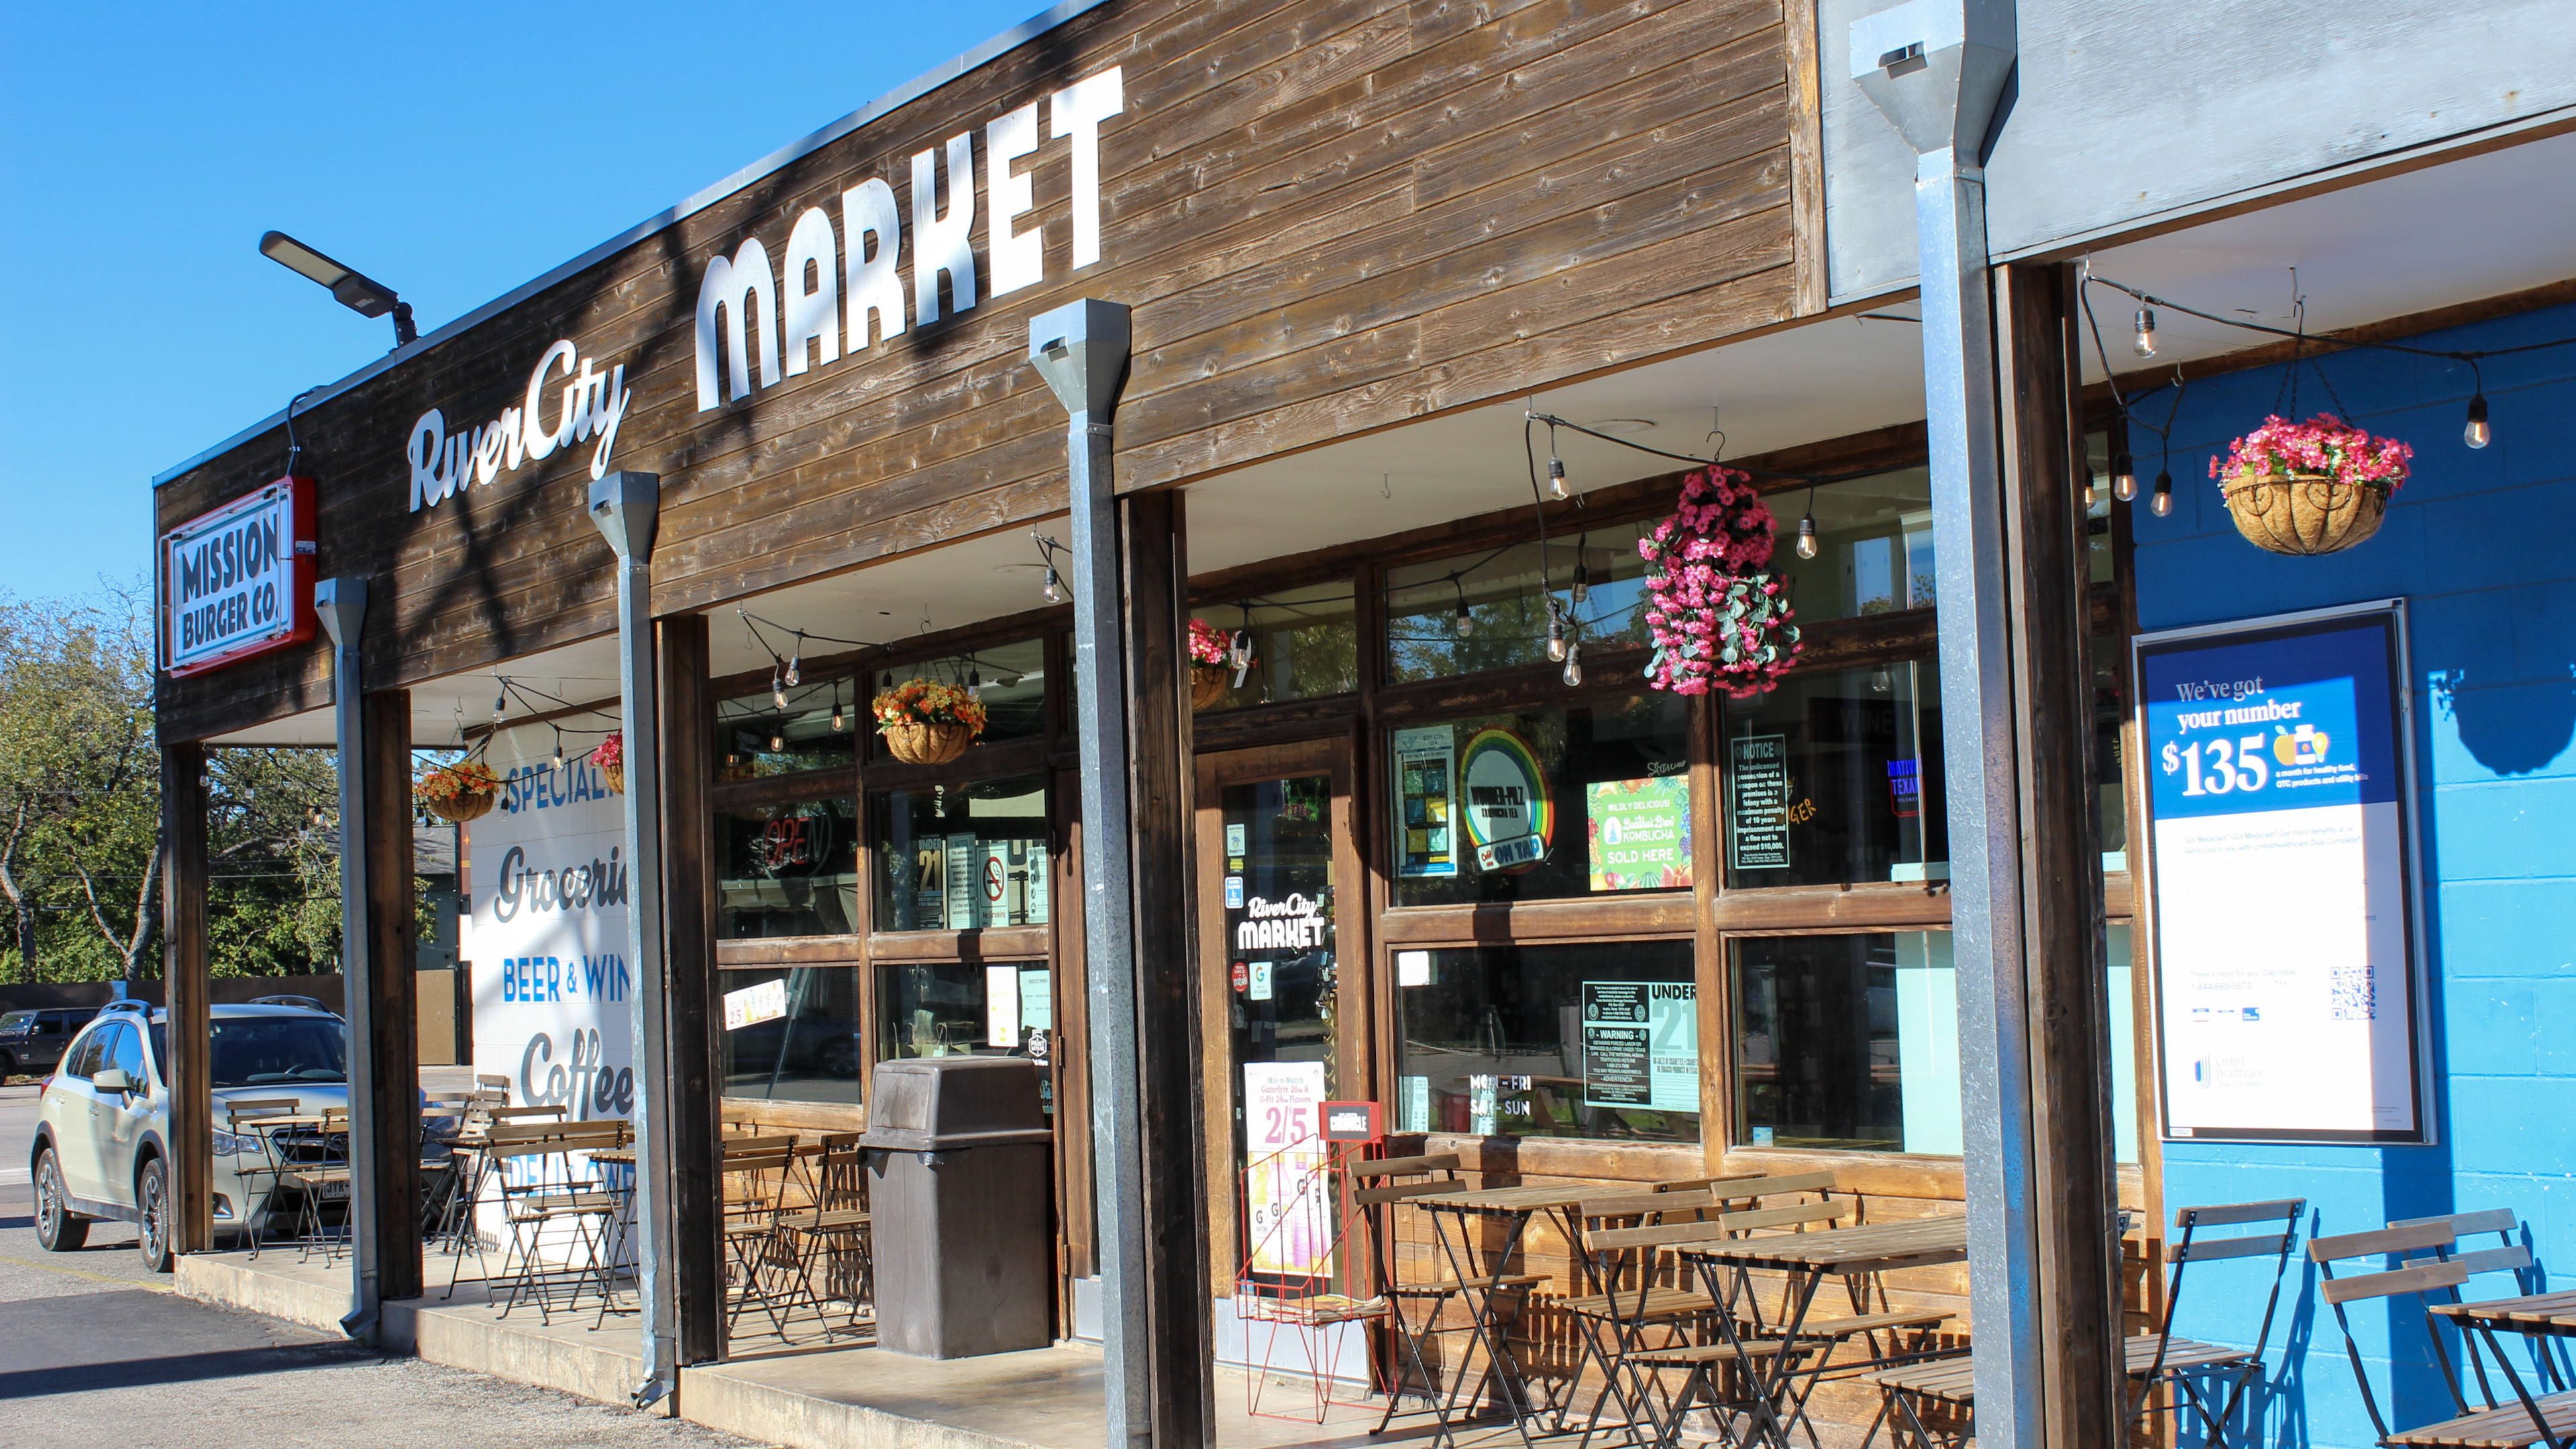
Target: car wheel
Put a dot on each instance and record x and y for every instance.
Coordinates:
(58, 1228)
(152, 1214)
(8, 1066)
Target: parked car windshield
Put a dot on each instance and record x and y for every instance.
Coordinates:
(250, 1051)
(17, 1023)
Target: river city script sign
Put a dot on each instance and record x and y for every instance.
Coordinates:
(238, 580)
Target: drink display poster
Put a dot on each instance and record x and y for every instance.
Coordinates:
(1287, 1200)
(1757, 813)
(1640, 833)
(1425, 761)
(2277, 768)
(1641, 1045)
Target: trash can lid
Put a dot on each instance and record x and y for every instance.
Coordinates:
(937, 1104)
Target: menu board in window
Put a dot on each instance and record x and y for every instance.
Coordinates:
(2281, 815)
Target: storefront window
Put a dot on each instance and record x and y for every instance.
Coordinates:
(1873, 546)
(963, 857)
(1543, 803)
(1305, 643)
(1010, 678)
(1851, 1043)
(1506, 614)
(787, 870)
(1549, 1041)
(968, 1009)
(799, 1038)
(2110, 712)
(1835, 778)
(1279, 925)
(816, 731)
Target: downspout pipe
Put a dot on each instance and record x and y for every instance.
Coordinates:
(626, 508)
(342, 605)
(1082, 350)
(1937, 69)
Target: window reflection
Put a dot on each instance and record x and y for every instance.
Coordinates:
(1873, 546)
(1835, 778)
(816, 730)
(1506, 613)
(963, 857)
(792, 1034)
(1549, 1041)
(1305, 643)
(787, 870)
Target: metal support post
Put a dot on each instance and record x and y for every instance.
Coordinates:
(342, 605)
(626, 508)
(1154, 1340)
(1938, 69)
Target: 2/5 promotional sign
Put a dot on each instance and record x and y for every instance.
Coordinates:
(238, 580)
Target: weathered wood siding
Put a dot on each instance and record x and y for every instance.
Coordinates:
(1330, 216)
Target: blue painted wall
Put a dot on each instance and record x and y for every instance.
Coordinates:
(2483, 545)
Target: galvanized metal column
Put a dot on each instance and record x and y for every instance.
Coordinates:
(1937, 69)
(1082, 350)
(626, 508)
(342, 605)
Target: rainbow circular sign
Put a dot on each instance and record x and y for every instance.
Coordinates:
(1510, 818)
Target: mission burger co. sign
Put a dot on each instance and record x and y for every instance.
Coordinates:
(238, 581)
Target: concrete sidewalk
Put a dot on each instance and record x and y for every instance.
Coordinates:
(845, 1397)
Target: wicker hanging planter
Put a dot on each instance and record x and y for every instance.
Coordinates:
(924, 722)
(616, 777)
(1207, 684)
(466, 790)
(2305, 513)
(921, 743)
(1214, 657)
(2309, 488)
(609, 758)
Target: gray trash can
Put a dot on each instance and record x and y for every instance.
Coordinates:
(959, 1187)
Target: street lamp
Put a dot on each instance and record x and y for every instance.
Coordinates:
(356, 291)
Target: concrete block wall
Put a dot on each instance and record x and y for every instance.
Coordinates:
(2483, 545)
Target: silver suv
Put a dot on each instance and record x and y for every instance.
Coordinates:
(103, 1119)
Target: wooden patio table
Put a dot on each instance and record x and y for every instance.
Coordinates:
(1806, 1260)
(1482, 1281)
(2550, 1314)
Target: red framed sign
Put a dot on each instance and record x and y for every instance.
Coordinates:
(238, 581)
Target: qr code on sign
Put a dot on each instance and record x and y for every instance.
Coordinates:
(2351, 995)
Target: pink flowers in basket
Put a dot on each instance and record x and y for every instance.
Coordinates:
(1716, 619)
(2323, 446)
(1208, 644)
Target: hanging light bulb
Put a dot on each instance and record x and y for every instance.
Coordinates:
(2124, 477)
(1807, 536)
(2090, 491)
(500, 708)
(974, 683)
(886, 680)
(840, 721)
(796, 664)
(1555, 476)
(559, 761)
(1582, 582)
(1880, 682)
(1555, 631)
(2477, 434)
(777, 743)
(2146, 341)
(2162, 501)
(777, 691)
(1054, 586)
(1466, 621)
(1573, 663)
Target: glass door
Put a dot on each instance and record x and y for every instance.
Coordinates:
(1282, 1000)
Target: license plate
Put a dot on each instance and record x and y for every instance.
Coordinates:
(334, 1191)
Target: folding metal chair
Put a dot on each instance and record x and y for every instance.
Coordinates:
(2528, 1419)
(755, 1177)
(2161, 1360)
(833, 1234)
(575, 1211)
(1393, 1180)
(1633, 1294)
(319, 1174)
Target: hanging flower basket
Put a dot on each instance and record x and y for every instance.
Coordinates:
(609, 757)
(2309, 488)
(1213, 660)
(466, 790)
(1717, 620)
(924, 722)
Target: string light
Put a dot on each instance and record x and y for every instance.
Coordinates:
(796, 661)
(1555, 475)
(777, 743)
(1466, 621)
(1573, 663)
(1582, 580)
(2162, 502)
(2146, 341)
(2477, 434)
(2124, 477)
(839, 720)
(559, 759)
(2089, 490)
(886, 680)
(777, 690)
(1555, 631)
(500, 708)
(974, 683)
(1054, 586)
(1880, 681)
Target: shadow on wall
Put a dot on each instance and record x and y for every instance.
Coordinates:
(2510, 729)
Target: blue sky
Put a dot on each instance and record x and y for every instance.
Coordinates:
(449, 151)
